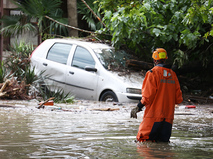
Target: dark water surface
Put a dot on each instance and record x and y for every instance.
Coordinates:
(84, 133)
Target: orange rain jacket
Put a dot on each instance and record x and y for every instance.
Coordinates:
(160, 92)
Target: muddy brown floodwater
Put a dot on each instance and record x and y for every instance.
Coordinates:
(82, 131)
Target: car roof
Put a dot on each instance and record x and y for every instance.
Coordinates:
(93, 45)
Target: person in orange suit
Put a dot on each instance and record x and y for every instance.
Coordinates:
(160, 92)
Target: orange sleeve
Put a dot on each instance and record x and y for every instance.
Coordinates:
(149, 89)
(178, 94)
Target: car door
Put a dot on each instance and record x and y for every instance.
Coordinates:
(54, 65)
(80, 82)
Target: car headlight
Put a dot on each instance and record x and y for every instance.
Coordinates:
(133, 90)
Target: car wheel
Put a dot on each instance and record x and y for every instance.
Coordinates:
(109, 96)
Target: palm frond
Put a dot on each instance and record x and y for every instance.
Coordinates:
(92, 21)
(16, 24)
(55, 28)
(39, 8)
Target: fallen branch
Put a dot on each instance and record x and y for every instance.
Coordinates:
(72, 27)
(4, 85)
(106, 109)
(7, 106)
(12, 89)
(42, 104)
(3, 94)
(82, 30)
(139, 65)
(94, 13)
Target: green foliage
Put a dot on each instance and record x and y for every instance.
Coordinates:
(60, 96)
(29, 75)
(55, 28)
(38, 9)
(92, 21)
(47, 36)
(180, 58)
(3, 73)
(18, 59)
(33, 14)
(16, 24)
(182, 27)
(69, 100)
(17, 65)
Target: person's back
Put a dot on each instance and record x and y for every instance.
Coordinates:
(160, 92)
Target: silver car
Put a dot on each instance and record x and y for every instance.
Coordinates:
(84, 69)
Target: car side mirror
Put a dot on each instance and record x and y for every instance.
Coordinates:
(92, 69)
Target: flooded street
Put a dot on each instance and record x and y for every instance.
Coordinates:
(84, 131)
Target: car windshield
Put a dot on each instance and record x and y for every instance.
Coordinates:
(111, 59)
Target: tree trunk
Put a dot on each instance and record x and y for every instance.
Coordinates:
(72, 16)
(139, 65)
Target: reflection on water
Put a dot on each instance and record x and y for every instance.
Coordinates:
(156, 150)
(84, 133)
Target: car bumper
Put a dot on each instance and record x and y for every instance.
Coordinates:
(128, 98)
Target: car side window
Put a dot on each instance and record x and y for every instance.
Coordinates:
(82, 58)
(59, 52)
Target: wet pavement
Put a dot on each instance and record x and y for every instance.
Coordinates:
(87, 130)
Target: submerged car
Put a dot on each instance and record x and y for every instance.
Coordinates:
(84, 69)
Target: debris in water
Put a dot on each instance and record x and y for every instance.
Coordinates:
(51, 102)
(187, 107)
(190, 106)
(41, 105)
(106, 109)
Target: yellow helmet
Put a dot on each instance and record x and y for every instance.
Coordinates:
(159, 54)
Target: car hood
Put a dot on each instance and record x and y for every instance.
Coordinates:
(133, 79)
